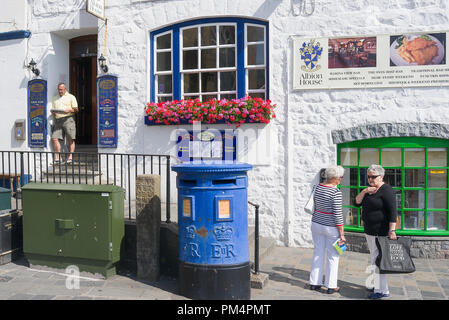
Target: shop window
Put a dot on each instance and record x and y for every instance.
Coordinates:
(416, 168)
(221, 58)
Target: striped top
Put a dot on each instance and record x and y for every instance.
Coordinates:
(328, 202)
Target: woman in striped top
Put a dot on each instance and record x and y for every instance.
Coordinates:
(327, 227)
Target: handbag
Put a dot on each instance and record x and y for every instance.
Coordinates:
(310, 204)
(394, 255)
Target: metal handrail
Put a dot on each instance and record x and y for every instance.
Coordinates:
(84, 166)
(256, 237)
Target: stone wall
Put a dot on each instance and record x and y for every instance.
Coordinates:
(422, 247)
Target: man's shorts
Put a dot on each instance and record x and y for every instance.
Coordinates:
(67, 125)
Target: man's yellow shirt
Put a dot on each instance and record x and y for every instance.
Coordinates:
(62, 103)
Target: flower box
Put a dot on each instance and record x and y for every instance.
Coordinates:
(235, 111)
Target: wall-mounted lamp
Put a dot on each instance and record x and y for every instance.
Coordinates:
(103, 65)
(32, 66)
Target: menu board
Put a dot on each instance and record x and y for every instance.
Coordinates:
(37, 124)
(107, 111)
(208, 144)
(382, 61)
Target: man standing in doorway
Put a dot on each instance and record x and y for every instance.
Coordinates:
(63, 109)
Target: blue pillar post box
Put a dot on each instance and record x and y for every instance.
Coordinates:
(213, 230)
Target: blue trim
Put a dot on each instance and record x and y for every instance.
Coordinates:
(267, 64)
(153, 94)
(241, 83)
(11, 35)
(176, 75)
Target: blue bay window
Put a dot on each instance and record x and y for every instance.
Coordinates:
(222, 58)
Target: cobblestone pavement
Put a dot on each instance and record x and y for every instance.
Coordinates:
(288, 270)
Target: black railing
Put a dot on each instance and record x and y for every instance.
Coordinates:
(20, 167)
(256, 237)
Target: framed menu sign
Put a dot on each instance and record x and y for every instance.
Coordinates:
(380, 61)
(37, 124)
(107, 104)
(208, 144)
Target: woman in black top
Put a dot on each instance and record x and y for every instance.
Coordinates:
(379, 220)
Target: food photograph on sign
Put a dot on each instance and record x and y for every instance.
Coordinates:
(352, 52)
(418, 49)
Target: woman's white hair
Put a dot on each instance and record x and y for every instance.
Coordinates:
(334, 172)
(377, 169)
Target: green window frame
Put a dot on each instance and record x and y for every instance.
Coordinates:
(416, 168)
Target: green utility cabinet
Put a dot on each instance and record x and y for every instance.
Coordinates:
(70, 224)
(5, 199)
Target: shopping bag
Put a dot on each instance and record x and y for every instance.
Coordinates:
(394, 255)
(310, 204)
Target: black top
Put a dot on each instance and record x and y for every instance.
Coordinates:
(378, 210)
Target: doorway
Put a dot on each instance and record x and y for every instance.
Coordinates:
(83, 75)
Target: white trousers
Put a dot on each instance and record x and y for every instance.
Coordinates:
(380, 280)
(323, 239)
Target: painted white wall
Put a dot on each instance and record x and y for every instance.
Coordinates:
(13, 15)
(300, 136)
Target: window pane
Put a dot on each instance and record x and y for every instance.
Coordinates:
(209, 97)
(256, 54)
(348, 156)
(415, 178)
(209, 82)
(163, 61)
(369, 156)
(164, 42)
(255, 34)
(190, 37)
(437, 199)
(257, 95)
(393, 177)
(437, 157)
(398, 196)
(436, 220)
(191, 83)
(391, 157)
(414, 220)
(414, 157)
(227, 57)
(350, 177)
(256, 79)
(349, 196)
(190, 59)
(208, 58)
(414, 199)
(164, 98)
(227, 35)
(228, 96)
(350, 216)
(227, 81)
(437, 178)
(164, 84)
(209, 36)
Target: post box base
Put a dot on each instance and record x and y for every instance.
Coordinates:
(215, 282)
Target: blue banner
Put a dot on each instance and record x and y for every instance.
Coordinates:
(37, 106)
(107, 103)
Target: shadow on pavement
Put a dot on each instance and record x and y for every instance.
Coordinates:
(301, 279)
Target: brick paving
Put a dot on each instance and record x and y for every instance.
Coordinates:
(288, 270)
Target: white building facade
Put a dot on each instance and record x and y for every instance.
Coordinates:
(162, 50)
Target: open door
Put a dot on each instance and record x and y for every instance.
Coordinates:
(83, 75)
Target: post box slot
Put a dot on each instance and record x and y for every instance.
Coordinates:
(188, 182)
(224, 181)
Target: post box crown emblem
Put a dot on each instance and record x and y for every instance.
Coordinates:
(223, 233)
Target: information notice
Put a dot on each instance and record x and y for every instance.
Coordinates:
(382, 61)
